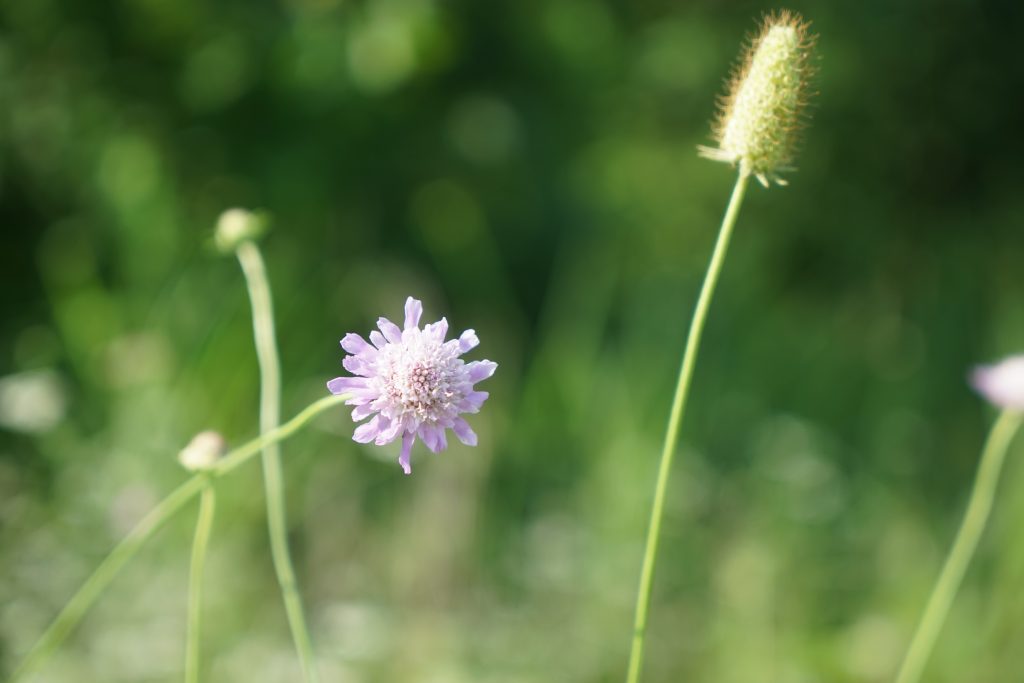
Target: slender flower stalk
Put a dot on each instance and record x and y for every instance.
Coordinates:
(204, 526)
(270, 409)
(1003, 385)
(755, 131)
(978, 508)
(643, 599)
(83, 599)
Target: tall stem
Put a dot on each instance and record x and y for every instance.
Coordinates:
(643, 598)
(72, 612)
(204, 525)
(978, 508)
(270, 410)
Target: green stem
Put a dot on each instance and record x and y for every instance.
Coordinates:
(204, 525)
(273, 482)
(80, 602)
(643, 598)
(978, 508)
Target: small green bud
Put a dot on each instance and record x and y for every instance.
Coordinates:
(759, 119)
(236, 226)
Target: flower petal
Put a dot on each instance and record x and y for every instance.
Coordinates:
(472, 401)
(378, 340)
(437, 330)
(357, 365)
(408, 439)
(390, 330)
(464, 432)
(361, 412)
(339, 385)
(428, 435)
(367, 432)
(480, 370)
(413, 311)
(389, 430)
(468, 340)
(434, 438)
(354, 343)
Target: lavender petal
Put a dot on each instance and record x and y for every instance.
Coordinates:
(340, 385)
(390, 330)
(389, 431)
(361, 412)
(464, 432)
(367, 432)
(357, 366)
(468, 340)
(413, 311)
(354, 344)
(408, 439)
(437, 330)
(480, 370)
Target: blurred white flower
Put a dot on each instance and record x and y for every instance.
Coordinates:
(32, 401)
(1002, 384)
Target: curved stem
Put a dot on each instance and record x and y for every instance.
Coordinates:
(643, 599)
(273, 483)
(978, 508)
(101, 577)
(204, 525)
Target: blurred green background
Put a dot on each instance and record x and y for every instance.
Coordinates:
(528, 169)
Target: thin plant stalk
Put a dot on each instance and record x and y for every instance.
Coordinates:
(273, 481)
(204, 526)
(72, 612)
(973, 525)
(643, 599)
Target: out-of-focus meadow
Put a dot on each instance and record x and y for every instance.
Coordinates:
(528, 169)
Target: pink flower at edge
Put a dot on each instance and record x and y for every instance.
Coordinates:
(413, 383)
(1001, 384)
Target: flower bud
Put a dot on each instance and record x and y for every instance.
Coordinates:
(236, 226)
(759, 119)
(203, 451)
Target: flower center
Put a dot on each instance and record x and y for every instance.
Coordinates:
(416, 378)
(416, 385)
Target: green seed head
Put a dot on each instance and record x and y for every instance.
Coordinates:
(760, 117)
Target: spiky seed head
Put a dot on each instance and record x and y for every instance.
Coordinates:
(760, 117)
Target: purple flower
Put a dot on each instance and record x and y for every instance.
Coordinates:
(413, 383)
(1001, 384)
